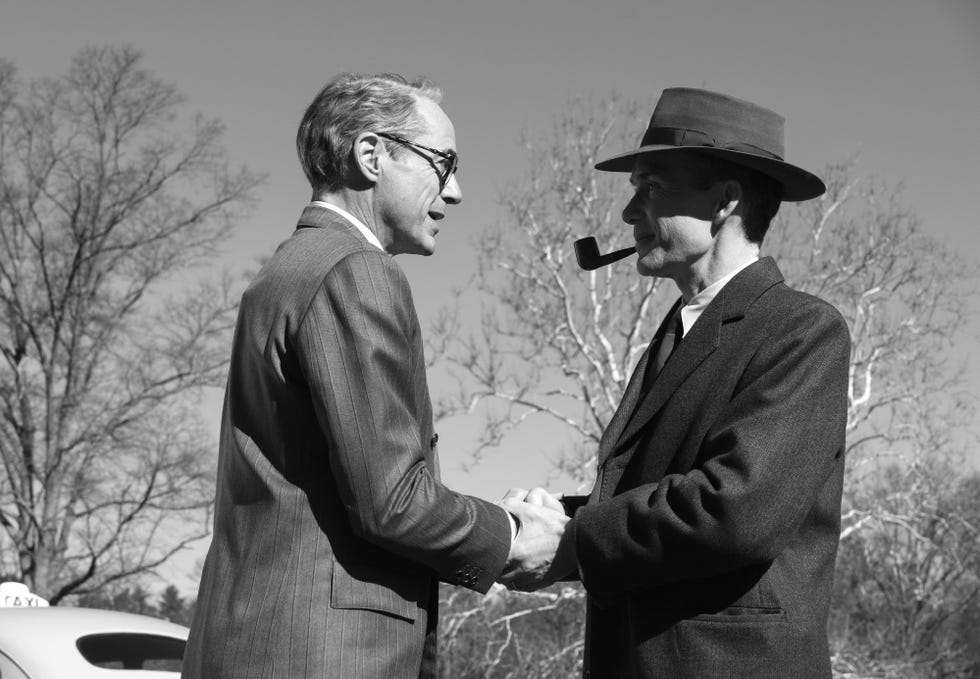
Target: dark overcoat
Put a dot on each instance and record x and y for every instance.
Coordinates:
(707, 545)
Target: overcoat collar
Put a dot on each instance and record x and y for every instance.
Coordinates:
(700, 341)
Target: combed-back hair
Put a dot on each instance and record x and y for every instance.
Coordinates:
(761, 195)
(348, 105)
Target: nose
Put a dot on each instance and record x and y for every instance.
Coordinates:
(451, 192)
(632, 213)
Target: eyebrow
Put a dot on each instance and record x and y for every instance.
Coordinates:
(671, 175)
(647, 176)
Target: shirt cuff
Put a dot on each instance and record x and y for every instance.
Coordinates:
(515, 527)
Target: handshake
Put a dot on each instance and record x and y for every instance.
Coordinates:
(543, 551)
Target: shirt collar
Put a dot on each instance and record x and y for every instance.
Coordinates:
(358, 224)
(691, 311)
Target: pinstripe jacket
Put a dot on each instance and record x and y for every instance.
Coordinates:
(331, 526)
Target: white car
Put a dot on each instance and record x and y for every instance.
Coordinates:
(40, 642)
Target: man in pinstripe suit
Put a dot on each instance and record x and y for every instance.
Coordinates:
(331, 526)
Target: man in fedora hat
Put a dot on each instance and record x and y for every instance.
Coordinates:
(707, 545)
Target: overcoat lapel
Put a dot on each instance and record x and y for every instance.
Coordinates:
(632, 394)
(697, 345)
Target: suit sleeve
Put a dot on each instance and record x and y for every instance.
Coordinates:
(360, 353)
(763, 462)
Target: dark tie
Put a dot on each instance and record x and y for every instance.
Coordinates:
(643, 376)
(668, 343)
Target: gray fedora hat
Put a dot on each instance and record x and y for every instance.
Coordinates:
(725, 127)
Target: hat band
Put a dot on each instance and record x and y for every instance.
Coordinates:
(678, 136)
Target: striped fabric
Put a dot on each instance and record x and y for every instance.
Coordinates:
(331, 526)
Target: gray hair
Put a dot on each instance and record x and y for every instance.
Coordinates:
(348, 105)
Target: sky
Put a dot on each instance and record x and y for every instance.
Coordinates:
(894, 82)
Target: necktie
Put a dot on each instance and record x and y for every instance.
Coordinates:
(668, 343)
(649, 366)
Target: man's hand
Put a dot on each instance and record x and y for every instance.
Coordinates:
(543, 551)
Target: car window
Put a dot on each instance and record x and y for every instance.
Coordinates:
(9, 669)
(132, 651)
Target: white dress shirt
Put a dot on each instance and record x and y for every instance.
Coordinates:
(693, 309)
(366, 232)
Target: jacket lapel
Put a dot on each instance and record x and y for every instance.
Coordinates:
(631, 397)
(697, 345)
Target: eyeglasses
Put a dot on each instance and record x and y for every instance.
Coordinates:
(444, 171)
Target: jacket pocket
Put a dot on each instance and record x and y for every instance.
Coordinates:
(371, 588)
(742, 615)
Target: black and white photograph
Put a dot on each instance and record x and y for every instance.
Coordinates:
(551, 339)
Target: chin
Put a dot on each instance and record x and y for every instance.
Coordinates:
(415, 246)
(427, 246)
(424, 249)
(645, 269)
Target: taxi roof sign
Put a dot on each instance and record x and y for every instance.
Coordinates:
(18, 595)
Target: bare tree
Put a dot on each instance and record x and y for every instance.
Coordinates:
(907, 592)
(108, 199)
(559, 343)
(906, 298)
(910, 553)
(504, 636)
(554, 341)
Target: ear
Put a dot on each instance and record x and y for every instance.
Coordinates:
(368, 149)
(728, 202)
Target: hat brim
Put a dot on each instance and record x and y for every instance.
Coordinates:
(797, 183)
